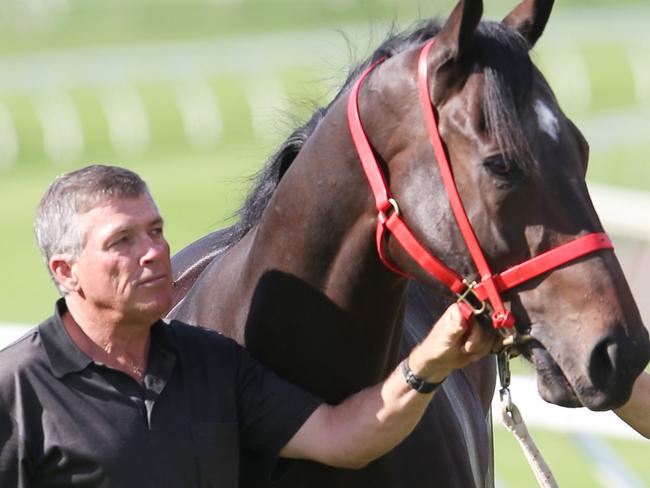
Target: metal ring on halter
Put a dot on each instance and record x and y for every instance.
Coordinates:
(512, 339)
(385, 213)
(516, 339)
(393, 203)
(504, 396)
(463, 297)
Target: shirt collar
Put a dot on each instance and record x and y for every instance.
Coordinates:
(65, 356)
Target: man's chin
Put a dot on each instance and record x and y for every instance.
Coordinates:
(154, 308)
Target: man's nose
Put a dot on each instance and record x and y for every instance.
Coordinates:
(154, 249)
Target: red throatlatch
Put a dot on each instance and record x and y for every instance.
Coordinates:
(490, 286)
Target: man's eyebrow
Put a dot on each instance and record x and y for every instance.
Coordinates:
(126, 228)
(118, 230)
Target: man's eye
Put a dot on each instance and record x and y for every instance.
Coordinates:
(120, 242)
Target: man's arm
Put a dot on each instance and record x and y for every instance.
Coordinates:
(636, 412)
(373, 421)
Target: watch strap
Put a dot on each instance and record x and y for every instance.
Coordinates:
(418, 384)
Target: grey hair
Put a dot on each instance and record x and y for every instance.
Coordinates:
(73, 194)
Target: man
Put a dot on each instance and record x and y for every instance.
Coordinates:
(106, 394)
(636, 412)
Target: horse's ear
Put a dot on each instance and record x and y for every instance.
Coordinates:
(452, 42)
(529, 18)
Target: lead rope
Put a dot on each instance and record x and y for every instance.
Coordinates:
(511, 418)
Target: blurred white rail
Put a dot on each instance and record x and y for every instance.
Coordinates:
(537, 413)
(9, 332)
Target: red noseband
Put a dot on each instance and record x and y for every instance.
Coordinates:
(491, 285)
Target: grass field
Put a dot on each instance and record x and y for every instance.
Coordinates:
(52, 24)
(571, 467)
(595, 78)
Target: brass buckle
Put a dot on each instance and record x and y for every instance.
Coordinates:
(463, 297)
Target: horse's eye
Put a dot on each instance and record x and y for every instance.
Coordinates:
(502, 167)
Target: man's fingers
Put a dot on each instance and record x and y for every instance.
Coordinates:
(456, 324)
(479, 342)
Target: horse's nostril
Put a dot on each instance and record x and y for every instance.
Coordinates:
(613, 355)
(613, 365)
(605, 364)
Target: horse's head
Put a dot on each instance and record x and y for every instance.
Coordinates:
(519, 165)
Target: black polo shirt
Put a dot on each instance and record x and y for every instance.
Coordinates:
(67, 421)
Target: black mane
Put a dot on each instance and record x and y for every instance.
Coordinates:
(499, 52)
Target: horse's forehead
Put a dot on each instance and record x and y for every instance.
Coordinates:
(547, 118)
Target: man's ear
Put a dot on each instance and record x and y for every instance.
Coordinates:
(62, 268)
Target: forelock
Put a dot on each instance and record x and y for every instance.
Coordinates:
(503, 57)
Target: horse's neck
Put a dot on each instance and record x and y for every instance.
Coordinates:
(190, 262)
(310, 289)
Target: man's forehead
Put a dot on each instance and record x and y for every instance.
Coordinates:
(113, 214)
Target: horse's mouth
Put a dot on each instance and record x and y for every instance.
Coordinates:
(552, 384)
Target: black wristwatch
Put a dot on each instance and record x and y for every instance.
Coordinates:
(418, 384)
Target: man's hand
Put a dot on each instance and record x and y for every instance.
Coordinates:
(453, 343)
(636, 412)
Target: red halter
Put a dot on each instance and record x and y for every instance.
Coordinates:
(491, 285)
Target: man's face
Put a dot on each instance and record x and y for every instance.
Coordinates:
(124, 269)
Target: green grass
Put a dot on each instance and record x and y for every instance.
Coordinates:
(124, 22)
(635, 455)
(88, 23)
(512, 467)
(608, 67)
(626, 167)
(557, 449)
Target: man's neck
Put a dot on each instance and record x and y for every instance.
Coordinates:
(112, 340)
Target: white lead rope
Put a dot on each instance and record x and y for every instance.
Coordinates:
(511, 418)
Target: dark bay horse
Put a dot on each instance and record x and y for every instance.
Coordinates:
(298, 279)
